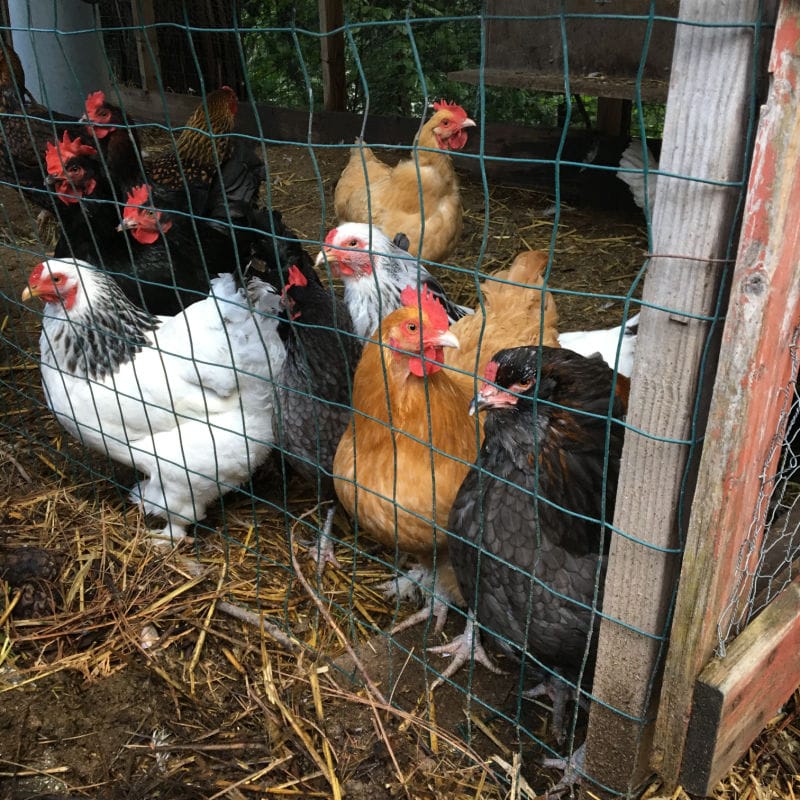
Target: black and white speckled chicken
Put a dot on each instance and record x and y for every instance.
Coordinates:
(187, 400)
(528, 541)
(314, 387)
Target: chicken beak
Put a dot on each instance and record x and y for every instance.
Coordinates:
(446, 339)
(468, 123)
(330, 255)
(28, 293)
(483, 401)
(128, 223)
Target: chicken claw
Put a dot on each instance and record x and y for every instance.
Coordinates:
(321, 552)
(573, 768)
(464, 647)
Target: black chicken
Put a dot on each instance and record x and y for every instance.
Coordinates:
(116, 141)
(527, 539)
(314, 386)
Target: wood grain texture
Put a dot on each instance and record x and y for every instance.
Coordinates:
(739, 457)
(735, 697)
(331, 17)
(694, 227)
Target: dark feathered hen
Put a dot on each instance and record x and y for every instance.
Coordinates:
(536, 501)
(314, 387)
(116, 140)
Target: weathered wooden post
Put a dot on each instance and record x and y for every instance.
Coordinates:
(710, 96)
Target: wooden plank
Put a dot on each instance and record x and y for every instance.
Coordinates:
(614, 117)
(146, 38)
(736, 696)
(331, 18)
(694, 223)
(599, 38)
(754, 360)
(595, 85)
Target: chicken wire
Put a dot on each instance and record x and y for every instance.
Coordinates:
(190, 58)
(767, 564)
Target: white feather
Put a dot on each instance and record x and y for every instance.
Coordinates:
(606, 343)
(634, 158)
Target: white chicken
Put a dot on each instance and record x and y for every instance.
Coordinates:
(607, 343)
(187, 400)
(636, 162)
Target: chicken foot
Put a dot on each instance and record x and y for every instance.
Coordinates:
(417, 579)
(464, 647)
(321, 551)
(572, 766)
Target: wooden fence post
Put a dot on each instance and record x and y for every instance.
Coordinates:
(763, 315)
(331, 17)
(710, 94)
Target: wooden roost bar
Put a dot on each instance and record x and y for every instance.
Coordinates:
(600, 51)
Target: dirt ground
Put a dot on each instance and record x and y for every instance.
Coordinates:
(129, 677)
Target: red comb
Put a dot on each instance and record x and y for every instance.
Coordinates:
(429, 303)
(93, 101)
(138, 196)
(332, 233)
(454, 108)
(296, 278)
(490, 372)
(56, 155)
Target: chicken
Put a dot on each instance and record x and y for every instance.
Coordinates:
(535, 507)
(23, 142)
(606, 343)
(375, 271)
(116, 140)
(389, 197)
(407, 449)
(644, 164)
(174, 256)
(511, 316)
(184, 176)
(314, 387)
(11, 72)
(186, 400)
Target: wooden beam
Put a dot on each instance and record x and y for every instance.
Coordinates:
(614, 116)
(331, 18)
(739, 457)
(143, 14)
(694, 225)
(737, 695)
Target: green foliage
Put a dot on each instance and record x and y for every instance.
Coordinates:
(397, 54)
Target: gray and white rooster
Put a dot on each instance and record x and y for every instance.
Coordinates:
(186, 400)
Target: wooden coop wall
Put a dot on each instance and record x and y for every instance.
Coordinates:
(604, 54)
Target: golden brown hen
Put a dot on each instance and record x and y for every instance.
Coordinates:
(199, 149)
(409, 444)
(392, 194)
(511, 317)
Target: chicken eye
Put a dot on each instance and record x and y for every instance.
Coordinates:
(523, 385)
(445, 122)
(353, 243)
(411, 327)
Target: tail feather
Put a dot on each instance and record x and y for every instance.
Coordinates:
(634, 159)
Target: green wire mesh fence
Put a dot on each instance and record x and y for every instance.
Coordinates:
(397, 58)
